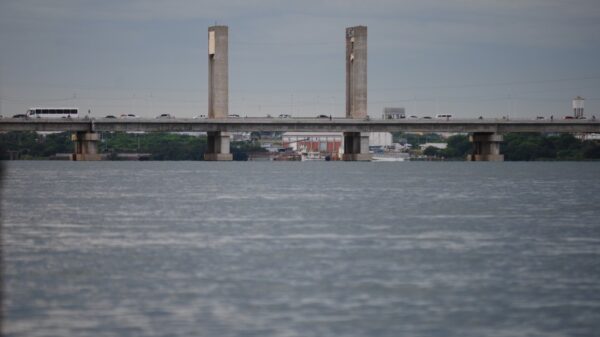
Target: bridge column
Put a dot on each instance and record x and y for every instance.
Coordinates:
(218, 72)
(218, 91)
(86, 146)
(217, 148)
(356, 146)
(356, 72)
(486, 147)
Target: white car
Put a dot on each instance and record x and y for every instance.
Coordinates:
(285, 116)
(199, 117)
(233, 116)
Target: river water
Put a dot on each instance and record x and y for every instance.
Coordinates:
(301, 249)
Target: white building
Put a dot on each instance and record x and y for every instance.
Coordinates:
(380, 139)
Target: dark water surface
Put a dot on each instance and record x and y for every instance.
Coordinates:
(301, 249)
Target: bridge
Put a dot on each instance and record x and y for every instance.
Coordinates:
(250, 124)
(486, 134)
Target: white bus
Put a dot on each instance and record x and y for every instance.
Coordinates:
(52, 113)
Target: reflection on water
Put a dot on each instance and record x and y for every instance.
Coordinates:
(301, 249)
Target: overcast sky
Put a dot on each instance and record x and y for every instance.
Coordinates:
(466, 57)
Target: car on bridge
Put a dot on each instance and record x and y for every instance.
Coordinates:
(110, 116)
(322, 116)
(129, 116)
(285, 116)
(233, 116)
(165, 116)
(199, 117)
(19, 116)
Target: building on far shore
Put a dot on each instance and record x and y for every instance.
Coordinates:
(394, 113)
(329, 143)
(382, 139)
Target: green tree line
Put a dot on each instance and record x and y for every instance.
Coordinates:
(534, 146)
(34, 145)
(526, 147)
(160, 146)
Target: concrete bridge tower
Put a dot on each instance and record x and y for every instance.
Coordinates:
(218, 91)
(356, 144)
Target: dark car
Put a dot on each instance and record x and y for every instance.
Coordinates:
(19, 116)
(322, 116)
(109, 116)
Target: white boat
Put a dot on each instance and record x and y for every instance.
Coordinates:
(390, 156)
(308, 156)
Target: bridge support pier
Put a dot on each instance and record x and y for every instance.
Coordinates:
(217, 146)
(486, 147)
(86, 146)
(356, 146)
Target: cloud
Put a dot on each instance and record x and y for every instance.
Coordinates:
(259, 25)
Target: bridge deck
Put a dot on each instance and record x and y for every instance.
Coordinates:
(301, 124)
